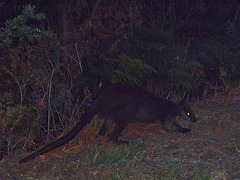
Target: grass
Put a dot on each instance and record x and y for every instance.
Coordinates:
(210, 151)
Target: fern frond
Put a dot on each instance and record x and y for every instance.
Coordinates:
(128, 70)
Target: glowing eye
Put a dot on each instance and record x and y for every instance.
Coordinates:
(188, 114)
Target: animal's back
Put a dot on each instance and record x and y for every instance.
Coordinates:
(131, 103)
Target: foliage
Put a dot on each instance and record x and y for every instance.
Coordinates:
(21, 30)
(175, 67)
(185, 74)
(13, 119)
(128, 70)
(22, 101)
(12, 116)
(16, 67)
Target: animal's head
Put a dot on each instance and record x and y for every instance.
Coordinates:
(186, 111)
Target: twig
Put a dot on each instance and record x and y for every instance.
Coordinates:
(79, 58)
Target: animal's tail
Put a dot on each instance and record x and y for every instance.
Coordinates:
(85, 119)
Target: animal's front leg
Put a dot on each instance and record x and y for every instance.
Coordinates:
(178, 128)
(171, 126)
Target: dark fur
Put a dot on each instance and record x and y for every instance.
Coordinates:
(124, 104)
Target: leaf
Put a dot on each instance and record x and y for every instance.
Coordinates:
(42, 156)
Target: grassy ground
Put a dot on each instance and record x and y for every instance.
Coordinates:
(210, 151)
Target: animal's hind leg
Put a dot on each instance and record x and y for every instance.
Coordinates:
(123, 117)
(117, 131)
(102, 131)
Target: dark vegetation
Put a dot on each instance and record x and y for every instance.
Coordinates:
(56, 56)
